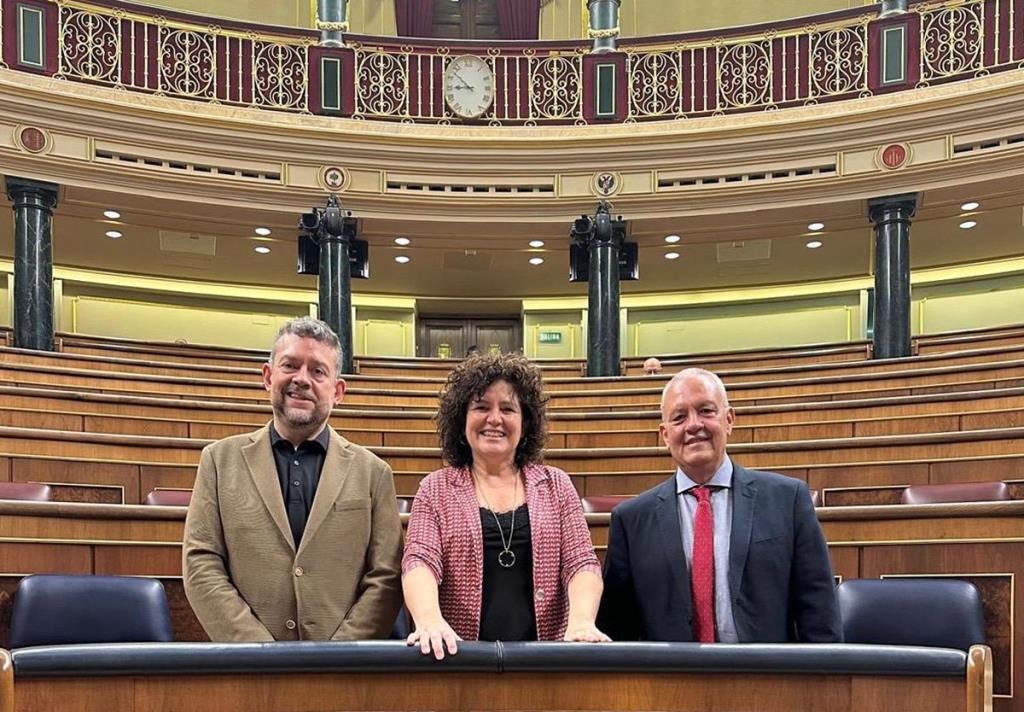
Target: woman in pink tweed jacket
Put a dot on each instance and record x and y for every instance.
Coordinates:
(497, 547)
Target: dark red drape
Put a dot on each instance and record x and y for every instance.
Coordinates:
(415, 18)
(519, 19)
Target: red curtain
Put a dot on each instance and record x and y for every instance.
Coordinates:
(415, 18)
(519, 19)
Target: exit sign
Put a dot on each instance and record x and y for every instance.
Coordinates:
(551, 337)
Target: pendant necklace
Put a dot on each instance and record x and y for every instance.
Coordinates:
(506, 557)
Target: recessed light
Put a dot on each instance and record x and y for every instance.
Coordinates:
(671, 255)
(262, 249)
(262, 231)
(973, 205)
(968, 224)
(111, 214)
(403, 241)
(814, 227)
(814, 244)
(672, 239)
(536, 260)
(402, 259)
(113, 234)
(536, 243)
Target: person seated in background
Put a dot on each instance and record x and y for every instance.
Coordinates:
(652, 367)
(472, 351)
(293, 532)
(717, 553)
(497, 547)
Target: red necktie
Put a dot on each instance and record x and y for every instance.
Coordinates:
(702, 568)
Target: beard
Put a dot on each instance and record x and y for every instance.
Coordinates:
(299, 417)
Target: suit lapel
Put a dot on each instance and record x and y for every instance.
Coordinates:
(671, 538)
(260, 461)
(332, 477)
(743, 504)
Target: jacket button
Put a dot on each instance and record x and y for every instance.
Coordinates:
(299, 571)
(289, 624)
(540, 594)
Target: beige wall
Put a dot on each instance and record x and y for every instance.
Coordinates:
(559, 19)
(968, 305)
(568, 324)
(288, 13)
(384, 332)
(741, 326)
(566, 19)
(372, 17)
(98, 312)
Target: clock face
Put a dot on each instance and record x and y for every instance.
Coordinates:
(468, 86)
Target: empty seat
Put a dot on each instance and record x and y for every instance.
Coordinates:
(63, 610)
(600, 503)
(942, 613)
(956, 492)
(29, 491)
(404, 505)
(169, 497)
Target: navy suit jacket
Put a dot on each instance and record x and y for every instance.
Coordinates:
(780, 578)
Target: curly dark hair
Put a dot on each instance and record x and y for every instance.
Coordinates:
(468, 381)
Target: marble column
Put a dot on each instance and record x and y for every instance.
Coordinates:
(603, 297)
(335, 282)
(892, 7)
(33, 203)
(604, 24)
(891, 217)
(331, 20)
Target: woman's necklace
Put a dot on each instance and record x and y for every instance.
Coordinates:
(506, 557)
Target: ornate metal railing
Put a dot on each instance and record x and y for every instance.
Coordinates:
(529, 86)
(828, 58)
(108, 45)
(762, 72)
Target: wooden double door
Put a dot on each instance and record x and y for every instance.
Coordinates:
(451, 337)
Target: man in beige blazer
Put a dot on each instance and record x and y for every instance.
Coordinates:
(293, 532)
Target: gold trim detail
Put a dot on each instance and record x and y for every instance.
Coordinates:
(603, 34)
(331, 26)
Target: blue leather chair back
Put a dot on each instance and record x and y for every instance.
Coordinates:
(941, 613)
(64, 610)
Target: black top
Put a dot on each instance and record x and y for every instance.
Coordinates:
(506, 611)
(298, 471)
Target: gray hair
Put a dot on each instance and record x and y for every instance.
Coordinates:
(708, 376)
(306, 327)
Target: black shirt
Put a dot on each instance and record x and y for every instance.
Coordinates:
(506, 611)
(298, 471)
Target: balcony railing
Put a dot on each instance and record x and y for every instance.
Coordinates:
(799, 62)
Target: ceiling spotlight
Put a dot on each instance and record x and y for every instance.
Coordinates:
(536, 243)
(113, 234)
(536, 260)
(672, 239)
(262, 249)
(403, 241)
(814, 244)
(111, 214)
(262, 231)
(967, 224)
(402, 259)
(972, 205)
(671, 255)
(815, 226)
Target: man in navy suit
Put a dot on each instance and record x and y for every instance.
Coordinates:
(717, 553)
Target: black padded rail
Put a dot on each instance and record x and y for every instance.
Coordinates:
(837, 659)
(395, 657)
(239, 658)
